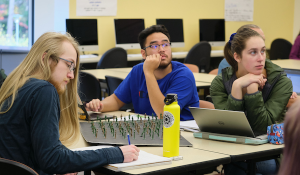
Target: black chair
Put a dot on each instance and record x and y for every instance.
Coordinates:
(89, 87)
(199, 55)
(280, 49)
(112, 84)
(10, 167)
(113, 58)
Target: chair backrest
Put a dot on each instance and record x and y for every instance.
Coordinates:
(199, 55)
(113, 58)
(89, 87)
(280, 49)
(8, 167)
(112, 84)
(192, 67)
(214, 72)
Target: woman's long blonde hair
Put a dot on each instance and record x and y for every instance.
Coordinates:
(36, 65)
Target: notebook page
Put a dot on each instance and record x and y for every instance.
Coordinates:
(145, 160)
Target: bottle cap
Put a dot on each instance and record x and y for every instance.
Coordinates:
(170, 98)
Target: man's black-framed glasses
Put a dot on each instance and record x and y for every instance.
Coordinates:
(156, 46)
(72, 66)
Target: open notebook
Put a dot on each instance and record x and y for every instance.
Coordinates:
(145, 160)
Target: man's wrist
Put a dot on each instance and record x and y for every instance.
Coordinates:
(149, 73)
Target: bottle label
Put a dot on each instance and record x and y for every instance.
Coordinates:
(168, 119)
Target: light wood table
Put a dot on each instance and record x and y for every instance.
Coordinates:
(202, 85)
(288, 63)
(126, 69)
(101, 73)
(193, 159)
(123, 72)
(201, 77)
(138, 57)
(237, 152)
(204, 77)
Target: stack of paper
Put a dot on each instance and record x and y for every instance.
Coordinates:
(190, 125)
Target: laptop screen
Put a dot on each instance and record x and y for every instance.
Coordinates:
(294, 75)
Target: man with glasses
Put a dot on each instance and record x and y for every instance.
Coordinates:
(148, 83)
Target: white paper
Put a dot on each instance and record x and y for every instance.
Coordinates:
(239, 10)
(191, 124)
(96, 7)
(144, 160)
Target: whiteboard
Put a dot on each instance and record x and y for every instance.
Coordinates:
(239, 10)
(96, 7)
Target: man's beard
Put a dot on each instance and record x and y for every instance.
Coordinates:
(163, 65)
(57, 86)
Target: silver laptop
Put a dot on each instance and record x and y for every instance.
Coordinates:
(294, 75)
(223, 122)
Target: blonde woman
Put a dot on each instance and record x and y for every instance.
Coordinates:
(38, 116)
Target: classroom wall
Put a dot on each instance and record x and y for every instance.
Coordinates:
(50, 16)
(296, 19)
(276, 18)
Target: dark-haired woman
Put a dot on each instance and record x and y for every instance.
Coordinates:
(252, 84)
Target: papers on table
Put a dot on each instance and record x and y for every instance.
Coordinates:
(144, 160)
(189, 125)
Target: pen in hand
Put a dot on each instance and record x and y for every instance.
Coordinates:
(128, 139)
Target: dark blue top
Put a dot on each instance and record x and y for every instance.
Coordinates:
(180, 81)
(30, 134)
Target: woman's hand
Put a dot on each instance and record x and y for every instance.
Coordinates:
(130, 153)
(252, 83)
(249, 78)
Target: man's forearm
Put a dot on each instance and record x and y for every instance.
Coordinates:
(155, 96)
(111, 103)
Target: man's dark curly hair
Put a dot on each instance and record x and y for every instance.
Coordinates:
(152, 29)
